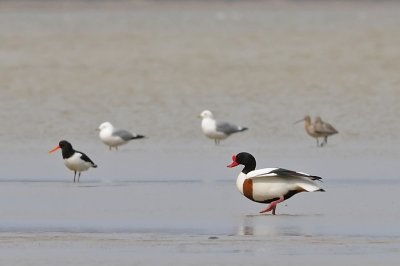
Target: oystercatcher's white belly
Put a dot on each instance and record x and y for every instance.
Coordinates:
(75, 163)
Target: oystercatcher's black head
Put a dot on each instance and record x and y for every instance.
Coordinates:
(245, 159)
(66, 148)
(65, 145)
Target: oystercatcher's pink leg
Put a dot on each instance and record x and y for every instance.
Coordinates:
(272, 206)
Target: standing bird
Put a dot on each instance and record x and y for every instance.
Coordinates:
(310, 128)
(270, 185)
(215, 129)
(324, 129)
(113, 137)
(74, 160)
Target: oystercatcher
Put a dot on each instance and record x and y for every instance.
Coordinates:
(74, 160)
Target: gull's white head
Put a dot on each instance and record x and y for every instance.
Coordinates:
(105, 125)
(206, 114)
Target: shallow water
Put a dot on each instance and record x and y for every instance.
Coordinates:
(200, 221)
(158, 206)
(152, 67)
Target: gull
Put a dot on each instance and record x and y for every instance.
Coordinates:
(113, 137)
(217, 130)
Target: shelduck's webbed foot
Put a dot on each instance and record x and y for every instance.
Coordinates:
(272, 206)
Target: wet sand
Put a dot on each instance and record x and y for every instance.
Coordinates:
(152, 67)
(145, 222)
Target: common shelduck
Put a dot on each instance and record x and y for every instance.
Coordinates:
(270, 185)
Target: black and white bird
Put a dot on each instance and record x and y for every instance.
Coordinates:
(74, 160)
(217, 130)
(270, 185)
(113, 137)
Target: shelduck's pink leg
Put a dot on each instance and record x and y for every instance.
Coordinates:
(272, 206)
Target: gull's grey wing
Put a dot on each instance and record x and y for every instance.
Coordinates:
(123, 134)
(228, 128)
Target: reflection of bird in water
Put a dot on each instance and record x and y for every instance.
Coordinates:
(217, 130)
(270, 185)
(318, 129)
(246, 230)
(268, 230)
(254, 225)
(324, 129)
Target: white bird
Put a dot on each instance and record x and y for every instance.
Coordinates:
(74, 160)
(217, 130)
(270, 185)
(113, 137)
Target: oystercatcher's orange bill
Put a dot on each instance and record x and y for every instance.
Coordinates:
(54, 149)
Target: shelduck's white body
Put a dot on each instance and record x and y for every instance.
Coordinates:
(268, 185)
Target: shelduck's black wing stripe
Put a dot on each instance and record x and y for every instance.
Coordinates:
(285, 172)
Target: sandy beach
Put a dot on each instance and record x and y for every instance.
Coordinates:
(151, 67)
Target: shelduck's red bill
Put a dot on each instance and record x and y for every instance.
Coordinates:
(54, 149)
(234, 163)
